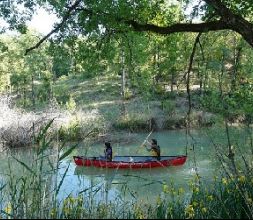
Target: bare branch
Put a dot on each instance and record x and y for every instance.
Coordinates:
(189, 71)
(64, 19)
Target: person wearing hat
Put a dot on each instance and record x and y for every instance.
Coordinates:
(108, 151)
(154, 148)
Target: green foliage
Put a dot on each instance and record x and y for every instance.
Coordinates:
(128, 94)
(212, 101)
(60, 93)
(132, 123)
(159, 89)
(71, 104)
(72, 131)
(168, 106)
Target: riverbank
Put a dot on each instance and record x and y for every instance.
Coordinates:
(95, 108)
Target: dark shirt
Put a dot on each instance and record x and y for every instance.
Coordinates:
(108, 153)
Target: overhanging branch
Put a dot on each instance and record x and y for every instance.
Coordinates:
(180, 27)
(228, 21)
(64, 19)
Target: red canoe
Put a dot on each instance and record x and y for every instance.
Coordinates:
(132, 162)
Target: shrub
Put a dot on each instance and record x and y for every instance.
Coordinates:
(132, 124)
(168, 107)
(71, 132)
(175, 122)
(71, 104)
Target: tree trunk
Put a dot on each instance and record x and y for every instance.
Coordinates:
(33, 93)
(172, 81)
(236, 62)
(123, 83)
(123, 75)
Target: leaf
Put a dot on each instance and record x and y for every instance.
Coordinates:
(88, 188)
(68, 152)
(44, 130)
(3, 187)
(60, 184)
(44, 146)
(26, 166)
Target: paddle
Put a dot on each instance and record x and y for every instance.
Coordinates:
(144, 142)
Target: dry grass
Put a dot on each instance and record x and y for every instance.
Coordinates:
(18, 128)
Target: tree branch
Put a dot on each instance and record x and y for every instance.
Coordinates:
(64, 19)
(228, 21)
(180, 27)
(235, 21)
(189, 71)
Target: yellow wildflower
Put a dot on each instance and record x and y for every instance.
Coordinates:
(195, 204)
(189, 211)
(139, 213)
(53, 212)
(196, 189)
(210, 197)
(196, 177)
(8, 209)
(72, 199)
(180, 191)
(204, 209)
(224, 181)
(80, 199)
(66, 211)
(158, 200)
(165, 188)
(241, 179)
(249, 200)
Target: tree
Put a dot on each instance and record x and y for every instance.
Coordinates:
(93, 17)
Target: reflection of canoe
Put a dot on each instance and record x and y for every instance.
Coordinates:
(124, 162)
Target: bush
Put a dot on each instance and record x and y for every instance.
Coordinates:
(60, 94)
(159, 89)
(71, 104)
(71, 132)
(168, 107)
(128, 94)
(174, 123)
(132, 124)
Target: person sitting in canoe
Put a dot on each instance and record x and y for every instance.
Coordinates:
(108, 151)
(154, 148)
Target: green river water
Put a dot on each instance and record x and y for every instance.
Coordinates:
(139, 184)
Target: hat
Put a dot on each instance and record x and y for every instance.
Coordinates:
(154, 141)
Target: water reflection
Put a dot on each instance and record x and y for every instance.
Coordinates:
(140, 184)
